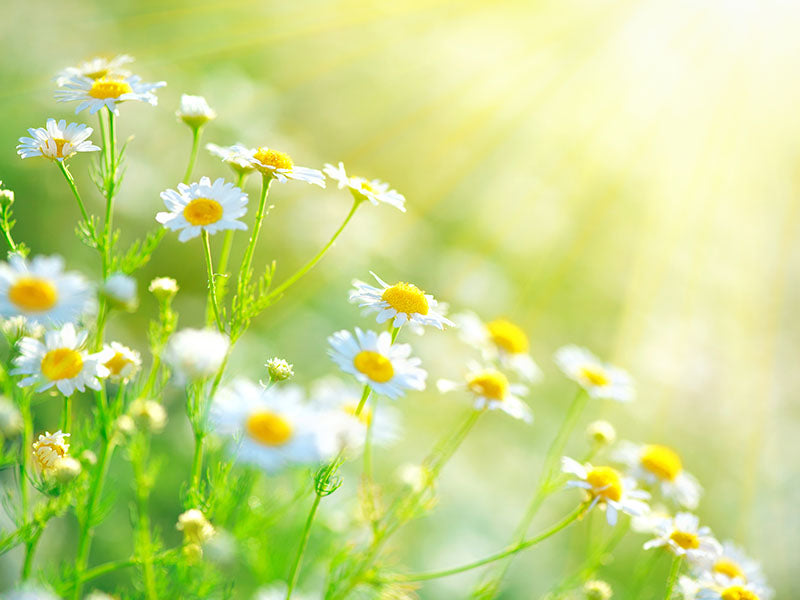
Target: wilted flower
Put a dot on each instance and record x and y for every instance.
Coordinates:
(492, 390)
(597, 590)
(49, 449)
(597, 378)
(10, 418)
(66, 469)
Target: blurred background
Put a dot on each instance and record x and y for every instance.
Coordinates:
(618, 174)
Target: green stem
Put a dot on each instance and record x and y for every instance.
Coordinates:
(212, 288)
(197, 466)
(111, 183)
(247, 259)
(142, 497)
(672, 578)
(66, 415)
(74, 188)
(193, 154)
(295, 572)
(7, 234)
(363, 401)
(569, 519)
(30, 550)
(369, 498)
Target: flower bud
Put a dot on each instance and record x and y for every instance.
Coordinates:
(120, 289)
(601, 433)
(163, 288)
(279, 369)
(148, 415)
(597, 590)
(193, 553)
(195, 111)
(88, 458)
(67, 469)
(126, 425)
(6, 198)
(195, 527)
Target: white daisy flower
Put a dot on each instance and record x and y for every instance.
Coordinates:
(94, 94)
(747, 591)
(121, 290)
(608, 488)
(683, 536)
(598, 379)
(49, 450)
(236, 157)
(402, 302)
(375, 190)
(195, 111)
(122, 362)
(732, 565)
(60, 361)
(333, 394)
(196, 353)
(500, 340)
(273, 426)
(661, 466)
(281, 167)
(203, 206)
(492, 391)
(388, 369)
(97, 68)
(42, 292)
(17, 327)
(56, 140)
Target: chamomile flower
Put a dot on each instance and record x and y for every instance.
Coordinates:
(107, 91)
(401, 302)
(97, 68)
(607, 487)
(196, 353)
(373, 190)
(733, 565)
(492, 391)
(683, 536)
(121, 291)
(388, 369)
(203, 206)
(60, 361)
(597, 378)
(236, 157)
(746, 591)
(42, 292)
(49, 449)
(661, 466)
(195, 111)
(280, 166)
(122, 362)
(333, 394)
(273, 426)
(500, 340)
(56, 140)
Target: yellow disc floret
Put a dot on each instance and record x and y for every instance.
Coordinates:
(274, 159)
(595, 375)
(406, 298)
(508, 336)
(685, 539)
(203, 211)
(33, 294)
(490, 384)
(62, 363)
(606, 483)
(374, 365)
(727, 567)
(737, 592)
(103, 88)
(661, 461)
(268, 428)
(59, 142)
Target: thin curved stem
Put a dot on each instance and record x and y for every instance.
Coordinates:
(212, 288)
(363, 400)
(193, 154)
(111, 183)
(30, 550)
(66, 414)
(672, 578)
(247, 259)
(295, 572)
(74, 188)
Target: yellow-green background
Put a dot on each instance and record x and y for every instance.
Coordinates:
(622, 175)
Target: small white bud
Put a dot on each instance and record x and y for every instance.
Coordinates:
(163, 288)
(121, 290)
(195, 111)
(148, 415)
(279, 369)
(601, 433)
(66, 469)
(126, 425)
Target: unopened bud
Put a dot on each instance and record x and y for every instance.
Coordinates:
(279, 369)
(126, 425)
(597, 590)
(195, 111)
(163, 288)
(601, 433)
(148, 415)
(67, 469)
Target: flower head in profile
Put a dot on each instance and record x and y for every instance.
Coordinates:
(732, 566)
(122, 362)
(683, 536)
(279, 166)
(401, 303)
(60, 360)
(274, 428)
(500, 340)
(492, 390)
(196, 353)
(97, 68)
(203, 206)
(374, 190)
(660, 466)
(42, 292)
(708, 590)
(236, 157)
(597, 378)
(195, 111)
(107, 91)
(49, 450)
(606, 487)
(56, 141)
(388, 369)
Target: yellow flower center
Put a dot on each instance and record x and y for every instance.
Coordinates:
(99, 74)
(406, 298)
(61, 363)
(366, 413)
(203, 211)
(661, 461)
(606, 483)
(595, 374)
(374, 365)
(273, 158)
(117, 363)
(508, 336)
(728, 568)
(268, 429)
(490, 384)
(33, 294)
(59, 142)
(103, 88)
(685, 539)
(737, 592)
(367, 186)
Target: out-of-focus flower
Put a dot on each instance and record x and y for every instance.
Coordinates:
(121, 290)
(163, 288)
(236, 157)
(148, 415)
(601, 433)
(683, 536)
(108, 92)
(492, 391)
(375, 190)
(122, 362)
(195, 111)
(56, 140)
(97, 68)
(30, 592)
(196, 353)
(598, 379)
